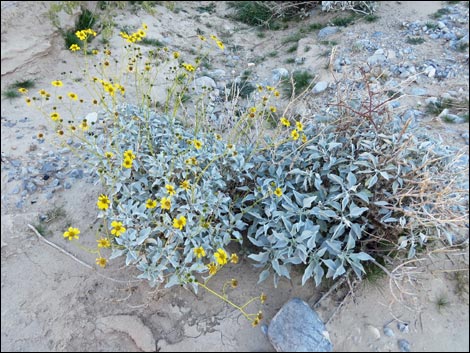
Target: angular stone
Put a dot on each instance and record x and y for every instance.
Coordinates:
(297, 328)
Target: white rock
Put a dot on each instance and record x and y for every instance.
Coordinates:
(320, 87)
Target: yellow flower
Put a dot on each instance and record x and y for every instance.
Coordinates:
(270, 88)
(72, 233)
(185, 185)
(260, 315)
(43, 92)
(304, 138)
(212, 268)
(299, 126)
(176, 55)
(129, 154)
(170, 189)
(127, 163)
(221, 256)
(28, 101)
(80, 35)
(218, 137)
(109, 154)
(285, 122)
(278, 192)
(95, 52)
(191, 161)
(201, 37)
(199, 252)
(165, 204)
(57, 83)
(118, 229)
(101, 261)
(234, 259)
(252, 110)
(103, 202)
(84, 125)
(294, 134)
(72, 96)
(74, 47)
(213, 37)
(141, 33)
(197, 144)
(55, 116)
(272, 109)
(260, 88)
(188, 67)
(234, 283)
(179, 223)
(144, 26)
(276, 94)
(151, 203)
(220, 44)
(22, 90)
(263, 298)
(255, 322)
(103, 243)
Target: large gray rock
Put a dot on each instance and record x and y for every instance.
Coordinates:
(320, 87)
(327, 31)
(297, 328)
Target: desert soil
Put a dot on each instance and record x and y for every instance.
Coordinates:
(50, 302)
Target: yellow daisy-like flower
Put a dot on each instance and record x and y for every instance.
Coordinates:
(101, 261)
(28, 101)
(57, 83)
(43, 92)
(129, 154)
(144, 26)
(201, 37)
(276, 94)
(299, 126)
(170, 189)
(270, 88)
(127, 163)
(74, 47)
(185, 185)
(252, 110)
(22, 90)
(273, 109)
(294, 134)
(191, 161)
(72, 96)
(179, 223)
(220, 44)
(81, 35)
(213, 37)
(218, 137)
(165, 203)
(109, 155)
(212, 268)
(285, 122)
(262, 298)
(118, 229)
(234, 259)
(103, 202)
(176, 55)
(103, 243)
(95, 51)
(197, 144)
(84, 125)
(151, 203)
(278, 192)
(199, 252)
(72, 233)
(188, 67)
(221, 256)
(304, 138)
(260, 88)
(55, 116)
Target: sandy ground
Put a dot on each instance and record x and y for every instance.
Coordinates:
(49, 302)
